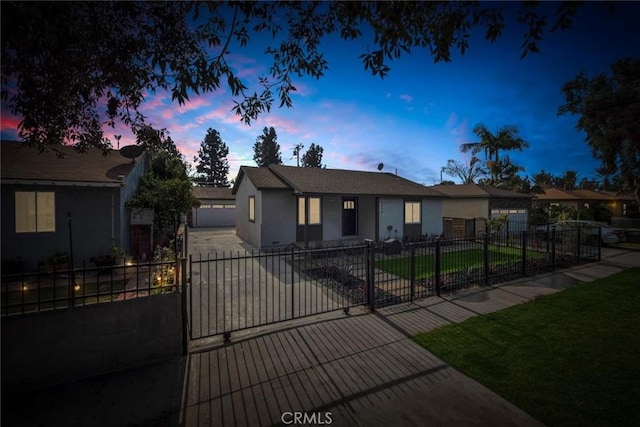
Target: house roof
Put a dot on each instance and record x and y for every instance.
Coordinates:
(213, 193)
(333, 181)
(479, 191)
(567, 195)
(22, 163)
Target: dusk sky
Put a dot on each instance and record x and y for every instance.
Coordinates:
(415, 119)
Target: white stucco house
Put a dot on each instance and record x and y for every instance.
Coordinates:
(283, 205)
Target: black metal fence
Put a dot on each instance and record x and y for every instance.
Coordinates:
(232, 292)
(51, 289)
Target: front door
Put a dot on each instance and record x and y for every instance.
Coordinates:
(350, 216)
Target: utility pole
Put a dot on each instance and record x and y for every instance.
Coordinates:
(296, 152)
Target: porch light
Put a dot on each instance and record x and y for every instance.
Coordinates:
(25, 287)
(76, 287)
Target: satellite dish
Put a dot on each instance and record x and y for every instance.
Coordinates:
(380, 166)
(131, 152)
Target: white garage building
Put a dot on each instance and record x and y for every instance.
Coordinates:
(217, 207)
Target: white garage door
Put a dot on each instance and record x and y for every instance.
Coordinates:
(517, 218)
(214, 214)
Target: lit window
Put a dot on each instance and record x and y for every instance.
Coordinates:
(412, 213)
(35, 212)
(314, 210)
(314, 215)
(252, 208)
(348, 204)
(229, 206)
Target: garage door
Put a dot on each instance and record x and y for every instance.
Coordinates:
(517, 218)
(214, 215)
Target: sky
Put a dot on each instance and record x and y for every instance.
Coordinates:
(414, 119)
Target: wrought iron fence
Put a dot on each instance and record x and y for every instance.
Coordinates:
(231, 292)
(53, 289)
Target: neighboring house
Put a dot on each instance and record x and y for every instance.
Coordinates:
(469, 205)
(620, 205)
(50, 203)
(217, 207)
(282, 205)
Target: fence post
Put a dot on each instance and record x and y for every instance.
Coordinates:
(185, 315)
(293, 282)
(553, 247)
(599, 243)
(578, 245)
(412, 271)
(524, 252)
(371, 256)
(437, 267)
(485, 258)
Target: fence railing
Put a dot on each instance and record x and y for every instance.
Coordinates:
(231, 292)
(52, 289)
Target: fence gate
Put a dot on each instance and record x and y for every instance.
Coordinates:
(234, 292)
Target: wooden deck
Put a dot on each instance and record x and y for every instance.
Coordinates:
(352, 367)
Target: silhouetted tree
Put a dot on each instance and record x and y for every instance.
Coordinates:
(213, 166)
(608, 110)
(66, 66)
(266, 149)
(467, 173)
(313, 157)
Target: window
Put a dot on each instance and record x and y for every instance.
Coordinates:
(314, 214)
(412, 213)
(35, 212)
(314, 210)
(586, 205)
(301, 211)
(252, 208)
(349, 204)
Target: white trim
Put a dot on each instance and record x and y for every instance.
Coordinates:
(62, 183)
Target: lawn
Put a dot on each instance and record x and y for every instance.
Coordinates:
(454, 261)
(568, 359)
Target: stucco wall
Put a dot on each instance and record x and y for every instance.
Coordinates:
(465, 208)
(61, 346)
(245, 229)
(92, 210)
(278, 218)
(391, 211)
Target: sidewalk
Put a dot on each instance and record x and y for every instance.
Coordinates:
(361, 369)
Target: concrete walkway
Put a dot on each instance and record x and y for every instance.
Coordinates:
(360, 369)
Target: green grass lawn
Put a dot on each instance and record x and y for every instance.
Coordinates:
(568, 359)
(453, 261)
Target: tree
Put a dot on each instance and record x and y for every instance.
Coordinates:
(541, 181)
(100, 59)
(608, 110)
(213, 166)
(567, 181)
(313, 157)
(166, 190)
(266, 149)
(490, 144)
(467, 173)
(505, 175)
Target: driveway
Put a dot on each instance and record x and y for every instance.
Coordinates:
(236, 286)
(212, 240)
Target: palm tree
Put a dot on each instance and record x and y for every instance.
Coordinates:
(505, 139)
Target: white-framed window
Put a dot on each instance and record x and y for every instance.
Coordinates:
(586, 205)
(35, 211)
(252, 208)
(624, 209)
(412, 212)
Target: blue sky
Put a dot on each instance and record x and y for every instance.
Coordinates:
(415, 119)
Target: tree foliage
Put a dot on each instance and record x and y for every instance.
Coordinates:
(506, 138)
(313, 157)
(212, 164)
(266, 149)
(608, 110)
(167, 190)
(67, 67)
(467, 173)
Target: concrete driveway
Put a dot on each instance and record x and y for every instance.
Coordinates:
(236, 286)
(220, 240)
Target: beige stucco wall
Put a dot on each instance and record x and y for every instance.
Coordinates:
(465, 208)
